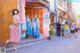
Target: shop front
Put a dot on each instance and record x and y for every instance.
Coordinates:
(31, 9)
(37, 9)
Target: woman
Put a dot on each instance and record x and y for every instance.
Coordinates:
(51, 32)
(66, 30)
(15, 29)
(72, 28)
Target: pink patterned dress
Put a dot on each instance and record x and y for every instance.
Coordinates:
(15, 30)
(46, 31)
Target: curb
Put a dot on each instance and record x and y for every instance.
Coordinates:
(26, 44)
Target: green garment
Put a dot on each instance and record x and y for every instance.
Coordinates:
(51, 31)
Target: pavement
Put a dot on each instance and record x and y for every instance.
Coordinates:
(56, 45)
(25, 41)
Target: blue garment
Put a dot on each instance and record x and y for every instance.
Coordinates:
(66, 31)
(35, 28)
(28, 27)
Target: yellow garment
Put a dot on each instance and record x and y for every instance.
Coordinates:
(66, 27)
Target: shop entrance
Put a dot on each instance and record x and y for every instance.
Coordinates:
(35, 9)
(5, 18)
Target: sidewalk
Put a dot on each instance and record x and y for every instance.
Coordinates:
(26, 41)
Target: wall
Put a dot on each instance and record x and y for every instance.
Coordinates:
(5, 7)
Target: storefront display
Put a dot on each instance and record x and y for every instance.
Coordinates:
(35, 27)
(28, 27)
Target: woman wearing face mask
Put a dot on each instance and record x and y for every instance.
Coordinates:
(14, 30)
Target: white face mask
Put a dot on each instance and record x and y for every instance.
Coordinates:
(15, 12)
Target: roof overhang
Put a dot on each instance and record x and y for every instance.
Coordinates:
(45, 2)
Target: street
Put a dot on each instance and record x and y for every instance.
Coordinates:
(26, 26)
(56, 45)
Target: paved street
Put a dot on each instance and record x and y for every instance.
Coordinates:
(56, 45)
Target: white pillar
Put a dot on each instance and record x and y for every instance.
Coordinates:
(21, 7)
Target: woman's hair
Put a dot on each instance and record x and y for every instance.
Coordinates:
(51, 24)
(13, 11)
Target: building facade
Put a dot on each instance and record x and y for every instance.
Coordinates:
(61, 9)
(64, 10)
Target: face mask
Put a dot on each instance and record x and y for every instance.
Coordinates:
(15, 12)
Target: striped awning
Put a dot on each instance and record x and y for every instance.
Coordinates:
(45, 2)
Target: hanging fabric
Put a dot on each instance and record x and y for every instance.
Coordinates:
(35, 25)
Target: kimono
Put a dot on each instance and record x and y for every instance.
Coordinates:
(35, 25)
(28, 27)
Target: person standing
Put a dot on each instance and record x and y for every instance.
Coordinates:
(62, 29)
(66, 30)
(58, 28)
(51, 32)
(15, 29)
(72, 28)
(76, 30)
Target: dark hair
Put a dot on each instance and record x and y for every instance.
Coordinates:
(13, 13)
(51, 24)
(66, 22)
(58, 21)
